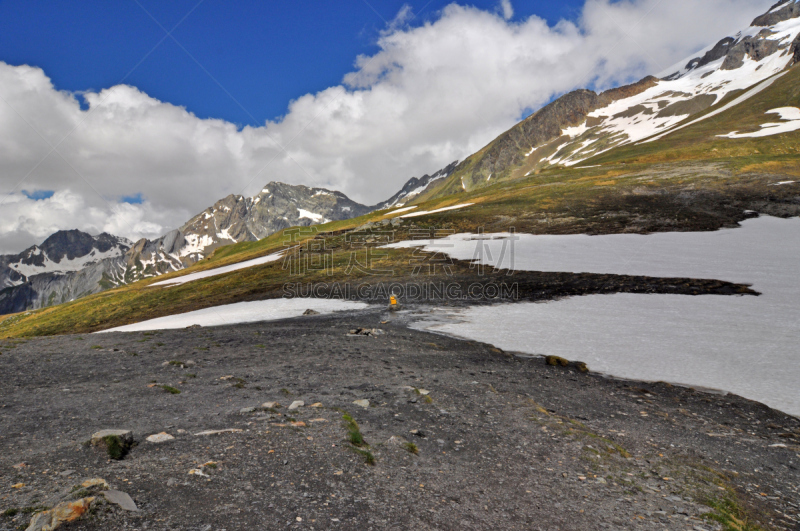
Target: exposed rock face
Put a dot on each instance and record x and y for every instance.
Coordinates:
(790, 9)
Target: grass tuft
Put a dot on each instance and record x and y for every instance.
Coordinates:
(411, 448)
(171, 390)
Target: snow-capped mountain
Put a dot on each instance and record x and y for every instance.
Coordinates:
(64, 251)
(415, 186)
(583, 124)
(72, 264)
(276, 207)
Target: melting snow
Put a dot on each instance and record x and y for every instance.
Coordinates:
(745, 344)
(220, 270)
(399, 210)
(424, 212)
(242, 312)
(316, 218)
(791, 115)
(196, 244)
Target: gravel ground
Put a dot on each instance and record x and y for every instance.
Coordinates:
(502, 442)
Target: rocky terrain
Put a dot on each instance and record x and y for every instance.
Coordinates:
(303, 424)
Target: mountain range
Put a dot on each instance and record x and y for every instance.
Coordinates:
(73, 264)
(581, 129)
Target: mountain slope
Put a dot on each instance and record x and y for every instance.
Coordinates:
(582, 125)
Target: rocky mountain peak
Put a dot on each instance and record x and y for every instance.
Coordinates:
(781, 11)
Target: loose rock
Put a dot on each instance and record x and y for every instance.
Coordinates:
(120, 498)
(160, 437)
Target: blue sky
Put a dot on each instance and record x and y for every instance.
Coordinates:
(263, 53)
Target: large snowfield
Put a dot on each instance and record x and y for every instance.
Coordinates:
(742, 344)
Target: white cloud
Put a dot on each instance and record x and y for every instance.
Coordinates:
(507, 9)
(431, 94)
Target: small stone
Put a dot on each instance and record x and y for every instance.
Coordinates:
(116, 442)
(317, 404)
(246, 410)
(120, 498)
(20, 466)
(395, 440)
(198, 472)
(227, 377)
(310, 312)
(298, 424)
(216, 432)
(363, 403)
(160, 437)
(190, 363)
(124, 435)
(270, 405)
(423, 392)
(17, 485)
(171, 482)
(66, 473)
(95, 482)
(296, 404)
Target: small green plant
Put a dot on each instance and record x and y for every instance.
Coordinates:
(366, 454)
(171, 390)
(286, 391)
(96, 347)
(240, 383)
(10, 512)
(211, 465)
(115, 447)
(730, 515)
(428, 399)
(191, 375)
(261, 346)
(411, 448)
(176, 362)
(354, 434)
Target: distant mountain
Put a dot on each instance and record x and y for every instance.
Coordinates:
(73, 264)
(583, 124)
(62, 252)
(414, 187)
(277, 207)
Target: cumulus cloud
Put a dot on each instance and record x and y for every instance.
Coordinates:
(433, 92)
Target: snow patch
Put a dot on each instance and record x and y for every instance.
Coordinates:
(425, 212)
(316, 218)
(791, 115)
(242, 312)
(220, 270)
